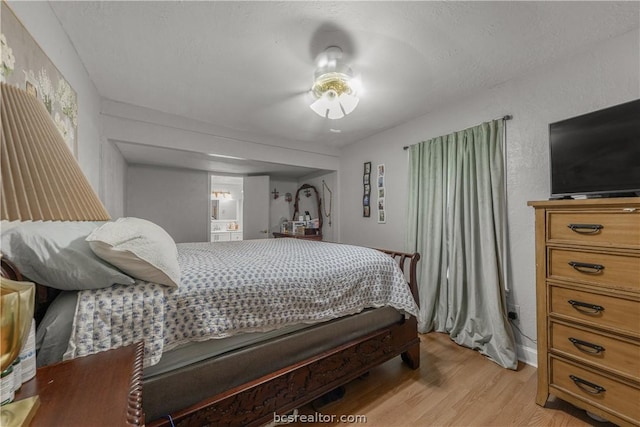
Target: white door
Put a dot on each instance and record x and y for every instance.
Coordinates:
(255, 211)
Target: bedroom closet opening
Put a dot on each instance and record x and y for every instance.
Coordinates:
(226, 194)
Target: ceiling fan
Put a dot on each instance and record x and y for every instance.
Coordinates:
(335, 86)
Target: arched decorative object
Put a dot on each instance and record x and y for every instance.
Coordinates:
(296, 208)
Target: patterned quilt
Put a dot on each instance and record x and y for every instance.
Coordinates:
(236, 287)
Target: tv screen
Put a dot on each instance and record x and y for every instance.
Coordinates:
(597, 153)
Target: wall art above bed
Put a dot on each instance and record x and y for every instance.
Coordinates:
(24, 64)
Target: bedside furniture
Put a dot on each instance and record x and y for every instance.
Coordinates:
(588, 305)
(226, 236)
(104, 389)
(299, 236)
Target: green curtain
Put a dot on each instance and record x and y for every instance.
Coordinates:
(456, 221)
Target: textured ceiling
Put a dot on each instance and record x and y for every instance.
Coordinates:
(249, 65)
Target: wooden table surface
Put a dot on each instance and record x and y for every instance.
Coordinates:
(104, 389)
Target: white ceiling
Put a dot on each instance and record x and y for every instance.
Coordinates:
(249, 65)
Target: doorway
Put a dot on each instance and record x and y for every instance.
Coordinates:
(226, 208)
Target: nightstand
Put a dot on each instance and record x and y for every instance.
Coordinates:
(104, 389)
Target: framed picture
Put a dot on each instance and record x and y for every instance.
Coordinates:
(380, 193)
(366, 197)
(381, 217)
(24, 64)
(380, 170)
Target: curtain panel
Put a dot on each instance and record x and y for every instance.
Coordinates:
(456, 221)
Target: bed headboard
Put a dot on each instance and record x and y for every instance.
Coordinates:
(411, 260)
(44, 294)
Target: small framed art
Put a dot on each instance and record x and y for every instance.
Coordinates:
(366, 197)
(381, 194)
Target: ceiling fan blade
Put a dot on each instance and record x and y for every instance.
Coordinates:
(335, 112)
(348, 102)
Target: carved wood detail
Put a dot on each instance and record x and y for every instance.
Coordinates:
(135, 413)
(256, 405)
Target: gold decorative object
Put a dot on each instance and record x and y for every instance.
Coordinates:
(20, 413)
(15, 319)
(16, 315)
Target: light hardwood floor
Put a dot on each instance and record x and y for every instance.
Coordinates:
(454, 386)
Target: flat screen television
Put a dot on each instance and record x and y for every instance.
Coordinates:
(597, 154)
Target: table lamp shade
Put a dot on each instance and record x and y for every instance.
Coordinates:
(41, 180)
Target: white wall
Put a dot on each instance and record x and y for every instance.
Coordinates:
(113, 176)
(605, 75)
(42, 24)
(279, 208)
(175, 199)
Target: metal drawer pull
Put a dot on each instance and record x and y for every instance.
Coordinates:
(585, 267)
(587, 347)
(587, 386)
(585, 307)
(586, 228)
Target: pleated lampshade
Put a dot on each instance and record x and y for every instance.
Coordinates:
(41, 180)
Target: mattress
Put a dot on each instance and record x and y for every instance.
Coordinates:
(52, 338)
(53, 333)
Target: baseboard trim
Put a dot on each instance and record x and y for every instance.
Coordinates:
(527, 355)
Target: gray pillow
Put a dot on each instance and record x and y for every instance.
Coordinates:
(56, 254)
(54, 331)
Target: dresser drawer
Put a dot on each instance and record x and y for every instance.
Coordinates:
(620, 356)
(610, 312)
(619, 228)
(610, 270)
(595, 388)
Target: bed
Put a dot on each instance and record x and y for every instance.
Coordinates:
(262, 360)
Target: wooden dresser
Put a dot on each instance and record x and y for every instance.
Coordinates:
(317, 237)
(588, 305)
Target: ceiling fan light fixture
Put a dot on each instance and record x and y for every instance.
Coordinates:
(336, 96)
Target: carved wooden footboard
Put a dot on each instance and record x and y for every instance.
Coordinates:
(254, 403)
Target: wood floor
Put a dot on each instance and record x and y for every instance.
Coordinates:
(454, 386)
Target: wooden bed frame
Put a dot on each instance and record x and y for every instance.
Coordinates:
(255, 402)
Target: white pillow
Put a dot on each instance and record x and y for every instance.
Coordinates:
(138, 247)
(55, 254)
